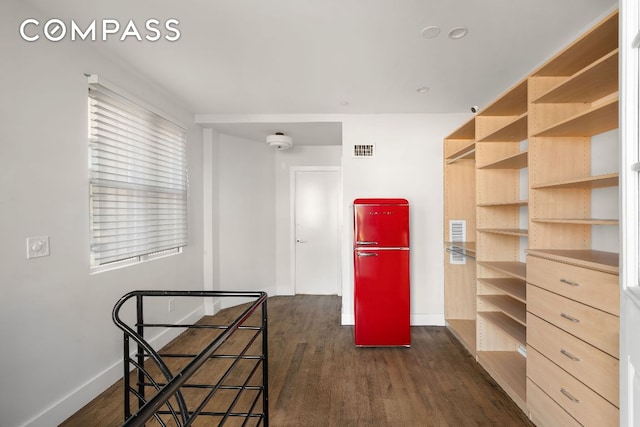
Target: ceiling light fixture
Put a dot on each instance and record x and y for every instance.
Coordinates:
(430, 32)
(280, 141)
(422, 89)
(458, 33)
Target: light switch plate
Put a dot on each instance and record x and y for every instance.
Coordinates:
(37, 247)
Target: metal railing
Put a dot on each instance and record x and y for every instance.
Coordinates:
(177, 394)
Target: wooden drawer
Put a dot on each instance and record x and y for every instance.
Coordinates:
(594, 288)
(596, 327)
(544, 411)
(582, 403)
(593, 367)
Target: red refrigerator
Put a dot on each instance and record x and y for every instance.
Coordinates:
(381, 267)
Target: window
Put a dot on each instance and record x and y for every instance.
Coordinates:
(137, 180)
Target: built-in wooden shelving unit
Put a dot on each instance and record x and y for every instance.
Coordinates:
(496, 204)
(502, 161)
(536, 227)
(600, 181)
(511, 307)
(587, 85)
(607, 262)
(583, 221)
(574, 97)
(459, 189)
(514, 269)
(505, 323)
(510, 286)
(506, 231)
(512, 161)
(506, 368)
(597, 119)
(514, 130)
(465, 153)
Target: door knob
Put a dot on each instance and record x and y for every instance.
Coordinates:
(301, 241)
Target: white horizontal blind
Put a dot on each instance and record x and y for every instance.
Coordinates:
(138, 180)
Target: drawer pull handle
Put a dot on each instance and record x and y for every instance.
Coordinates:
(569, 396)
(569, 355)
(569, 282)
(568, 317)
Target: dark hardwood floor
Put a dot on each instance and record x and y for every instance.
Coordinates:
(318, 378)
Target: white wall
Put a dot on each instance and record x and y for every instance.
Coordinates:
(246, 209)
(407, 163)
(59, 346)
(284, 161)
(251, 211)
(605, 203)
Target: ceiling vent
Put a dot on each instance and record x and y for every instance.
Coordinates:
(280, 141)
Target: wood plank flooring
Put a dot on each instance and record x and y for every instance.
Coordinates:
(318, 377)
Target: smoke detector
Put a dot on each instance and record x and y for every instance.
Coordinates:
(280, 141)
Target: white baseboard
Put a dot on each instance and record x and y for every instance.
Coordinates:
(212, 306)
(347, 319)
(427, 319)
(72, 402)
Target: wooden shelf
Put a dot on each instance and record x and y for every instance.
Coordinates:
(465, 331)
(467, 152)
(593, 82)
(595, 44)
(599, 181)
(512, 328)
(514, 269)
(509, 369)
(597, 119)
(516, 288)
(513, 131)
(513, 308)
(607, 262)
(514, 161)
(466, 131)
(498, 204)
(505, 231)
(577, 221)
(512, 103)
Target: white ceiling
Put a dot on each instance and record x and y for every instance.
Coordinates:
(303, 133)
(310, 57)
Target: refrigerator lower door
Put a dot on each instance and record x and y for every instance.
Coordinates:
(382, 298)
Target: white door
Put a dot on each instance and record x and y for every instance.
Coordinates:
(316, 231)
(630, 224)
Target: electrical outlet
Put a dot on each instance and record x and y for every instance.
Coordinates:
(37, 247)
(170, 308)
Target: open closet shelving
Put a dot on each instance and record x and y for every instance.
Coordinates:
(573, 107)
(526, 176)
(573, 97)
(501, 204)
(459, 193)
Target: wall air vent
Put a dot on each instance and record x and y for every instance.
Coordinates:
(457, 233)
(363, 150)
(457, 230)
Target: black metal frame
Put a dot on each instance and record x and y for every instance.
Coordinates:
(172, 385)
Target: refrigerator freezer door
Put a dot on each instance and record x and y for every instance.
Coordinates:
(382, 298)
(381, 225)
